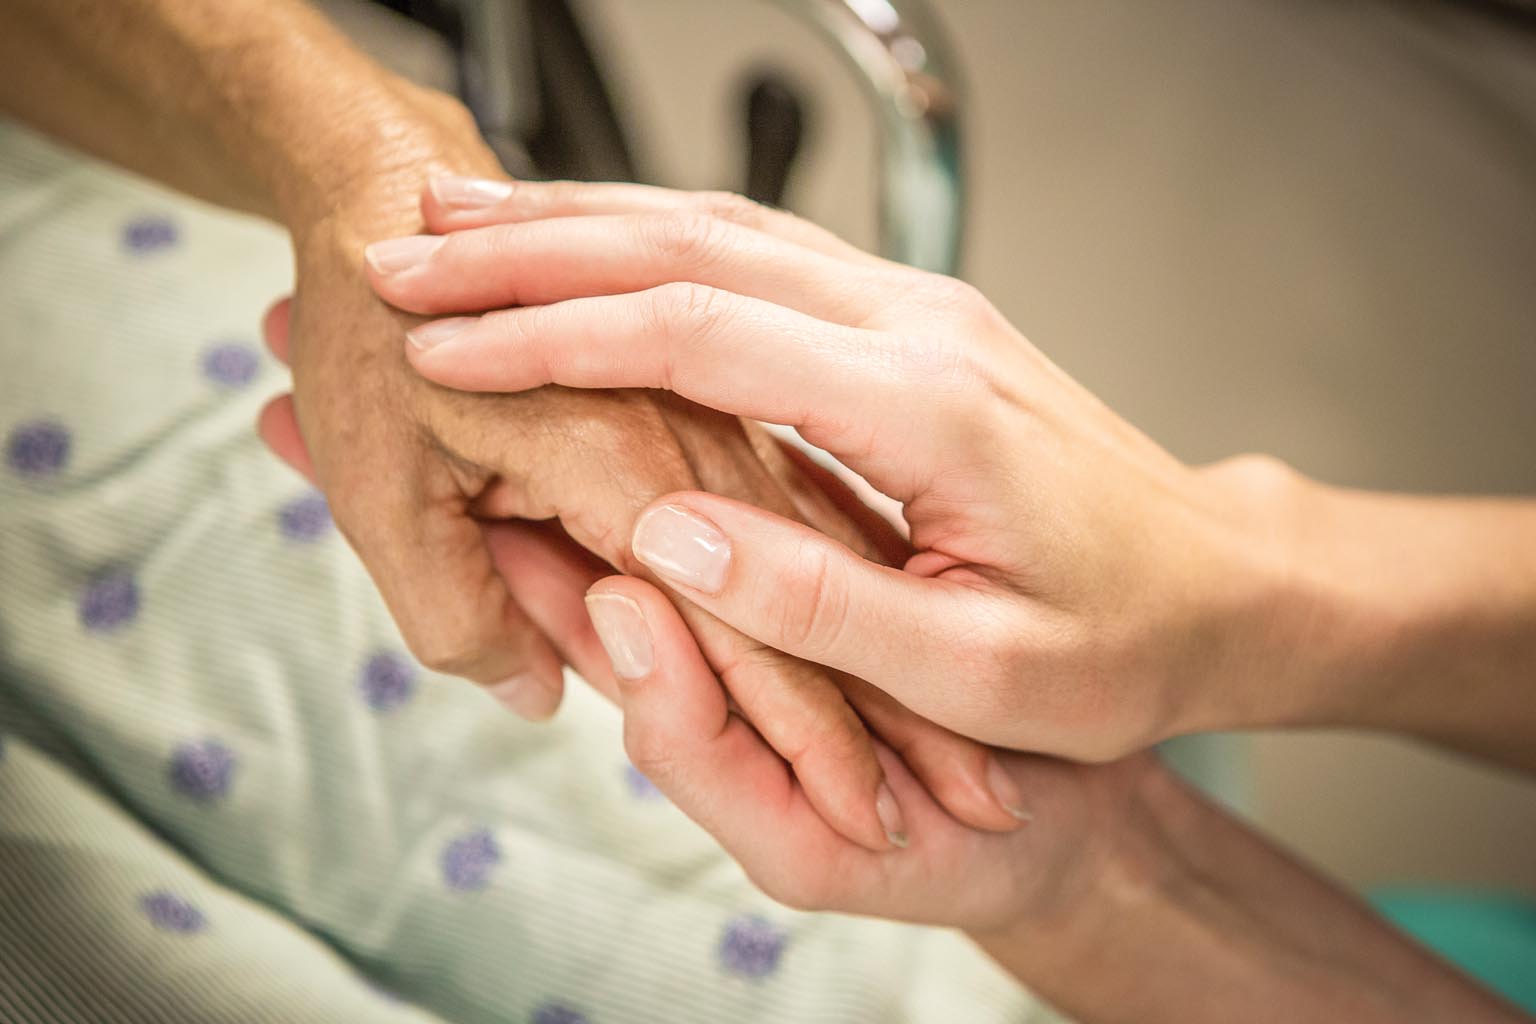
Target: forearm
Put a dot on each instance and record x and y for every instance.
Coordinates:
(1196, 918)
(1410, 614)
(257, 104)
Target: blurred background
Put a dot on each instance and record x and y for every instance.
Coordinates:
(1305, 228)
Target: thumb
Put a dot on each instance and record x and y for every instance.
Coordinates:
(797, 590)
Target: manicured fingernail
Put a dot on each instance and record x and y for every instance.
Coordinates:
(683, 548)
(525, 697)
(1006, 790)
(460, 193)
(621, 627)
(889, 812)
(434, 332)
(393, 255)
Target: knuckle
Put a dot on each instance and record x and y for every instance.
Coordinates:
(448, 109)
(648, 752)
(452, 652)
(563, 195)
(955, 295)
(514, 328)
(682, 236)
(954, 300)
(813, 618)
(683, 309)
(732, 207)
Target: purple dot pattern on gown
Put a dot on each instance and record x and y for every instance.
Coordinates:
(640, 787)
(202, 770)
(149, 233)
(109, 602)
(467, 861)
(387, 681)
(230, 364)
(306, 518)
(557, 1013)
(171, 913)
(39, 448)
(751, 947)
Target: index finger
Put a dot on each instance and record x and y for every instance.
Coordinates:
(453, 203)
(876, 400)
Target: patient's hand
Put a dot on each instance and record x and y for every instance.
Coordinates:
(413, 471)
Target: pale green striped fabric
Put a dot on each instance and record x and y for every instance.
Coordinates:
(227, 794)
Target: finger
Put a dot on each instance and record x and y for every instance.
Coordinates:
(453, 204)
(882, 403)
(534, 693)
(680, 732)
(796, 707)
(279, 429)
(534, 263)
(964, 776)
(428, 557)
(274, 327)
(431, 564)
(882, 538)
(796, 590)
(809, 500)
(548, 575)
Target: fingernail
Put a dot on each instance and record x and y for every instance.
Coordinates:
(683, 548)
(393, 255)
(434, 332)
(525, 697)
(460, 193)
(1006, 790)
(889, 812)
(625, 636)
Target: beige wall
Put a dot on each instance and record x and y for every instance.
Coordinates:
(1302, 228)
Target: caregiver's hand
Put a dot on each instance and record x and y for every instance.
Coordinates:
(1128, 898)
(593, 459)
(1076, 590)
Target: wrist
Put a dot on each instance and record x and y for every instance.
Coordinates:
(369, 184)
(317, 124)
(1128, 868)
(1294, 628)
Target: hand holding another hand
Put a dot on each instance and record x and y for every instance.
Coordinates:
(1074, 589)
(418, 476)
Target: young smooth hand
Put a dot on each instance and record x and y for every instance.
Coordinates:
(1074, 589)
